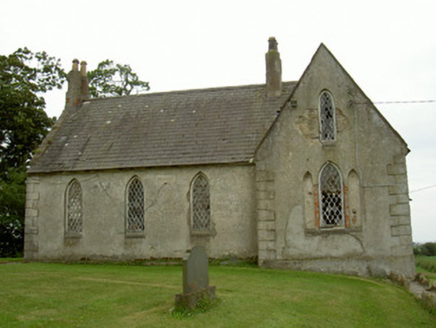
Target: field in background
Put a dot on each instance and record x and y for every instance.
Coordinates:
(57, 295)
(426, 264)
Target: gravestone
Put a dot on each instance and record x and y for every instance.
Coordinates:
(195, 280)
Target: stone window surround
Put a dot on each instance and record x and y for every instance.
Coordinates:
(322, 223)
(194, 231)
(71, 233)
(129, 233)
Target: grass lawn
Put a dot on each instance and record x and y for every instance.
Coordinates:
(10, 259)
(62, 295)
(427, 265)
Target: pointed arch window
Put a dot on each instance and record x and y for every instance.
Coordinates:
(200, 204)
(135, 206)
(327, 117)
(74, 215)
(331, 197)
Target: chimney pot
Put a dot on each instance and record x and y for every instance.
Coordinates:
(272, 44)
(75, 65)
(83, 68)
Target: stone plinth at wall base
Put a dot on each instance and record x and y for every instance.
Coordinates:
(190, 300)
(359, 266)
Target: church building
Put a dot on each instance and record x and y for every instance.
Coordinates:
(305, 175)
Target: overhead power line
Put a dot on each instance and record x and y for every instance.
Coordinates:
(405, 102)
(420, 189)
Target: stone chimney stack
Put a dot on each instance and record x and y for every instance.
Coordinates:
(273, 69)
(85, 83)
(78, 86)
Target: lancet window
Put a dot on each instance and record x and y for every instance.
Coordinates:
(200, 204)
(74, 208)
(331, 197)
(135, 206)
(327, 117)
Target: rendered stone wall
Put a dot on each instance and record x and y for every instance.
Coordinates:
(167, 215)
(376, 236)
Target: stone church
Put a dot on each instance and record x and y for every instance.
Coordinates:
(306, 175)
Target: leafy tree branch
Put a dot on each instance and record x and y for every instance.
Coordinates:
(110, 79)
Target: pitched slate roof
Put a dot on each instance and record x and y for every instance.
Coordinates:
(208, 126)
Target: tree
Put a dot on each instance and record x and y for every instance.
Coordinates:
(12, 206)
(23, 124)
(24, 77)
(23, 121)
(110, 79)
(428, 249)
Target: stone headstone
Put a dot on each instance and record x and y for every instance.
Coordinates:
(195, 279)
(196, 271)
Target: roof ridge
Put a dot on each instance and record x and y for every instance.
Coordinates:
(183, 91)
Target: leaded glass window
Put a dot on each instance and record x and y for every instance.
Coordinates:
(135, 206)
(200, 206)
(327, 117)
(74, 207)
(331, 197)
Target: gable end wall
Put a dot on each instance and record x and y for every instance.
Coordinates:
(375, 238)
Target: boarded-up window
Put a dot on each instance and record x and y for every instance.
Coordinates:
(135, 206)
(331, 197)
(200, 203)
(74, 207)
(327, 117)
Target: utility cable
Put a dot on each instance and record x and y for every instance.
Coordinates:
(420, 189)
(404, 102)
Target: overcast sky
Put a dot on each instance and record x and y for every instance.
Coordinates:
(388, 47)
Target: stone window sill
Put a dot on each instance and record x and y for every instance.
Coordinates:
(201, 233)
(134, 235)
(328, 144)
(332, 231)
(73, 235)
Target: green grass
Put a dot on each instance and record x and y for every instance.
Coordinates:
(427, 265)
(10, 259)
(62, 295)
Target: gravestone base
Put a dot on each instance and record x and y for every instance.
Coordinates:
(195, 280)
(190, 300)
